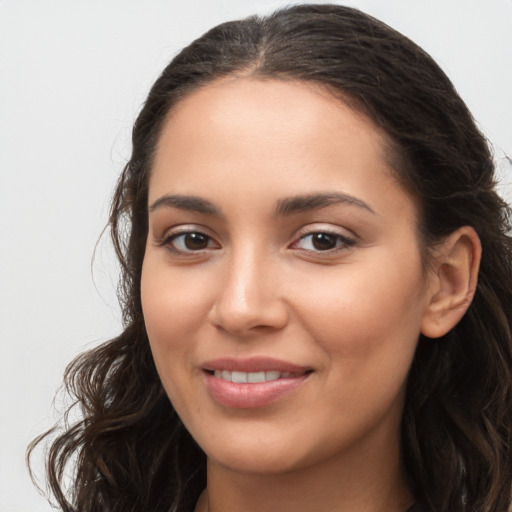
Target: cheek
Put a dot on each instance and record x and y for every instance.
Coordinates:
(369, 339)
(172, 302)
(369, 312)
(171, 308)
(171, 321)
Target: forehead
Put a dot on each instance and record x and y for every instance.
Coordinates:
(259, 108)
(292, 135)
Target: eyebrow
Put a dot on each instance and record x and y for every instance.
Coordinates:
(285, 206)
(290, 205)
(182, 202)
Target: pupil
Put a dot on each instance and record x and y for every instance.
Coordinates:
(324, 241)
(195, 241)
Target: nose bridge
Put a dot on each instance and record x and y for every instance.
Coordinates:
(246, 278)
(250, 294)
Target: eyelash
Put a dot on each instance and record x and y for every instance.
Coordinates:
(342, 242)
(167, 241)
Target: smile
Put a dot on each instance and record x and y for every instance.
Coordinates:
(252, 377)
(254, 382)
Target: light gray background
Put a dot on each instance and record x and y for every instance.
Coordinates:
(73, 75)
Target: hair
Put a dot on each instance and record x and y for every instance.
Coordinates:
(130, 452)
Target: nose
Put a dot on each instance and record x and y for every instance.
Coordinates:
(250, 297)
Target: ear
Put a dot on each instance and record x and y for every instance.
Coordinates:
(452, 281)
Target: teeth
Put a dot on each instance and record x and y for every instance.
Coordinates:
(256, 377)
(239, 377)
(251, 377)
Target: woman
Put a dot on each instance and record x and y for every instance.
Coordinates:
(316, 287)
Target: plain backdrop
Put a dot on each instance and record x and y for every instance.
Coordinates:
(73, 75)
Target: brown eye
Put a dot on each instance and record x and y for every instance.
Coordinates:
(195, 241)
(190, 242)
(324, 241)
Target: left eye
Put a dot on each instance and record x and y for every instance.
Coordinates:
(189, 242)
(323, 242)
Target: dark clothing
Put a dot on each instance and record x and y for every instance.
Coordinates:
(416, 507)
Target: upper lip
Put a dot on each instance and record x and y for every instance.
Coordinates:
(253, 364)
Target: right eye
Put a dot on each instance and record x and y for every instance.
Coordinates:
(189, 242)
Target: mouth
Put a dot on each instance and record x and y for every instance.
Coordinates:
(239, 377)
(254, 382)
(256, 365)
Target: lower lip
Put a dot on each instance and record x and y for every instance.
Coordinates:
(251, 395)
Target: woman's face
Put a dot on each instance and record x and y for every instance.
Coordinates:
(281, 252)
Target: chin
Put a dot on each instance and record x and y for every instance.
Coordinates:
(255, 457)
(255, 464)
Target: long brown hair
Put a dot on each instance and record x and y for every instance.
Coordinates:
(130, 451)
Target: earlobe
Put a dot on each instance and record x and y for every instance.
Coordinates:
(453, 282)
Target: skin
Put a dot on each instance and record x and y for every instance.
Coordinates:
(259, 287)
